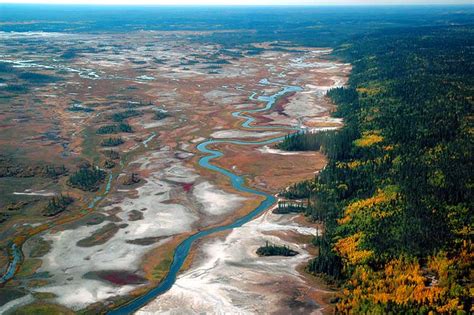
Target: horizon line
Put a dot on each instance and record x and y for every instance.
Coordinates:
(241, 5)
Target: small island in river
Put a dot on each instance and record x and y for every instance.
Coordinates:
(275, 250)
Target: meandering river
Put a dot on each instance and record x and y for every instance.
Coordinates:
(182, 251)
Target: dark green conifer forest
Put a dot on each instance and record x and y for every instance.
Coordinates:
(396, 196)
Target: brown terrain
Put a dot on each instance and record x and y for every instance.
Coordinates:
(116, 242)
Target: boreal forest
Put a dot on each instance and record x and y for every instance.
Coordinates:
(396, 196)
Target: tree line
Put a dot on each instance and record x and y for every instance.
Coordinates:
(396, 196)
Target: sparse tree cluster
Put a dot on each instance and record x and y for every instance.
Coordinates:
(289, 207)
(159, 115)
(110, 129)
(275, 250)
(87, 178)
(121, 116)
(57, 205)
(12, 168)
(111, 154)
(112, 142)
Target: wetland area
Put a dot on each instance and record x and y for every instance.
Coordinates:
(235, 160)
(207, 176)
(140, 173)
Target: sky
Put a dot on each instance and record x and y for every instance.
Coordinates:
(244, 2)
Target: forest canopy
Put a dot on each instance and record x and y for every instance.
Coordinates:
(396, 195)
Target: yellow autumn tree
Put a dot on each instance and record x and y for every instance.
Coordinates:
(404, 285)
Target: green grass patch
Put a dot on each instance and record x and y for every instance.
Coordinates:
(90, 144)
(40, 247)
(42, 309)
(44, 295)
(29, 267)
(161, 270)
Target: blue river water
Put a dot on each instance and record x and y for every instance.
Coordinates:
(237, 182)
(16, 256)
(96, 199)
(145, 143)
(270, 101)
(15, 251)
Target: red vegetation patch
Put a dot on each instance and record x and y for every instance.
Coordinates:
(187, 186)
(117, 277)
